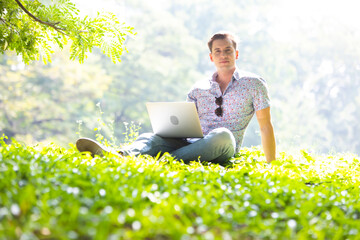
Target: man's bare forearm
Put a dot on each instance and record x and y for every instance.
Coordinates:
(268, 142)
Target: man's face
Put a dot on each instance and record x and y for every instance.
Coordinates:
(223, 54)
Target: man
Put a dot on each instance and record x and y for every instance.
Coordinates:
(225, 106)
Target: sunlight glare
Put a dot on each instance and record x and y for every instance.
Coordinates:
(290, 15)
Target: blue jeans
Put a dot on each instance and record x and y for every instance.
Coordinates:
(217, 146)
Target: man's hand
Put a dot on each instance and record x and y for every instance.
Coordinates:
(267, 134)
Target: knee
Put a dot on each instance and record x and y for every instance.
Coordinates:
(223, 137)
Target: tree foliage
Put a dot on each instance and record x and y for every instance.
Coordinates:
(33, 29)
(45, 102)
(311, 74)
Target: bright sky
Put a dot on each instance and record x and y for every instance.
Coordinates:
(293, 12)
(286, 16)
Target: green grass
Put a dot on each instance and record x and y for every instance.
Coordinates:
(49, 192)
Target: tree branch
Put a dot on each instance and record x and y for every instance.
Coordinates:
(53, 25)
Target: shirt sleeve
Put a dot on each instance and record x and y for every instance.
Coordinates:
(260, 94)
(191, 97)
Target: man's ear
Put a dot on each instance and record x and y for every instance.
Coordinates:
(237, 54)
(211, 57)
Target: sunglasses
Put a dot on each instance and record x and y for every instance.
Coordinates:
(219, 110)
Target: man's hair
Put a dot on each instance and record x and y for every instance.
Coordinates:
(222, 35)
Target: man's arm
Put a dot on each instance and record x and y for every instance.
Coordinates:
(267, 134)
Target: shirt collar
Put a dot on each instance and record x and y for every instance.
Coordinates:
(237, 75)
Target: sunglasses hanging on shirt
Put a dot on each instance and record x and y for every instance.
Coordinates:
(219, 110)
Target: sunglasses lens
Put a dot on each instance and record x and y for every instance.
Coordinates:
(218, 101)
(219, 112)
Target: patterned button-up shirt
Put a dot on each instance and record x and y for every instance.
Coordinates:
(245, 94)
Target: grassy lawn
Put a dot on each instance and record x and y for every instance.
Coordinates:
(49, 192)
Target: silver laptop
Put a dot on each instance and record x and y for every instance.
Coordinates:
(174, 119)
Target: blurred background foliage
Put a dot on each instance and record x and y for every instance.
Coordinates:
(308, 53)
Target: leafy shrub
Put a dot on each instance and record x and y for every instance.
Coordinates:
(49, 192)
